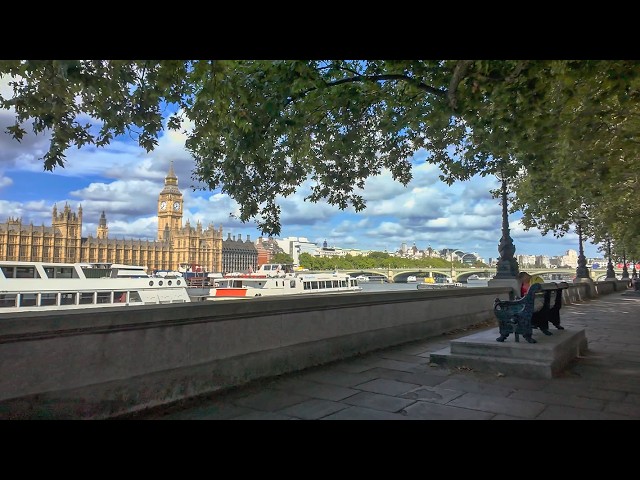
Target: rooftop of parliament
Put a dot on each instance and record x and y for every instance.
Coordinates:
(177, 246)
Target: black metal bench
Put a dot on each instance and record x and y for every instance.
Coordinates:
(549, 311)
(539, 307)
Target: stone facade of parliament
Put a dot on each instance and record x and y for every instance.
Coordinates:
(176, 245)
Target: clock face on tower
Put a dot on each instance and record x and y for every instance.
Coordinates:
(163, 205)
(176, 206)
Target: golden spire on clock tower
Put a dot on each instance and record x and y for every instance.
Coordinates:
(169, 205)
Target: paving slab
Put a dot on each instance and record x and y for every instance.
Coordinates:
(313, 409)
(433, 394)
(566, 399)
(378, 401)
(387, 387)
(342, 379)
(321, 391)
(507, 406)
(269, 399)
(556, 412)
(363, 413)
(427, 379)
(623, 408)
(435, 411)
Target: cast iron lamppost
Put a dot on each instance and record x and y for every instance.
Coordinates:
(507, 266)
(634, 273)
(610, 272)
(582, 271)
(625, 272)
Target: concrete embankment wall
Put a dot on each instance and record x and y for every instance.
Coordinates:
(102, 363)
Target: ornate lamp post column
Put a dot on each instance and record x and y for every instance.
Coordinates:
(582, 271)
(453, 270)
(625, 272)
(611, 274)
(634, 273)
(507, 266)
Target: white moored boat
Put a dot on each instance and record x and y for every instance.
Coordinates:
(477, 281)
(39, 286)
(279, 279)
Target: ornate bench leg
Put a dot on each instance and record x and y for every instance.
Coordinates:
(525, 328)
(505, 328)
(555, 311)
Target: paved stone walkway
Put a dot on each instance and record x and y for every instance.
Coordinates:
(399, 383)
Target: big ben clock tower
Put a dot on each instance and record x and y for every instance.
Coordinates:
(169, 205)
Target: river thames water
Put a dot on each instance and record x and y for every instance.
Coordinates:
(387, 287)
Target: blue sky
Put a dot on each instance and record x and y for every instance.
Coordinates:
(124, 181)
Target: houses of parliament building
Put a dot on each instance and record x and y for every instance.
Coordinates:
(176, 245)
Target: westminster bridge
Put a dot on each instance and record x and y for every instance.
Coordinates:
(400, 275)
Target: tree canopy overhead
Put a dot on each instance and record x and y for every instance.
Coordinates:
(258, 129)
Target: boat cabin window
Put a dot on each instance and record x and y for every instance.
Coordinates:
(236, 284)
(28, 299)
(103, 297)
(292, 283)
(86, 298)
(134, 296)
(48, 299)
(119, 297)
(8, 272)
(26, 272)
(8, 300)
(68, 298)
(53, 271)
(20, 272)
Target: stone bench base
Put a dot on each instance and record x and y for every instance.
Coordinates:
(545, 359)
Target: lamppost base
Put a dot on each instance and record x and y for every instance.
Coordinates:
(582, 280)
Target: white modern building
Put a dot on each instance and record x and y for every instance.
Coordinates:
(294, 246)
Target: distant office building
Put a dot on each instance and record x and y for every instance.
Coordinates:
(526, 261)
(294, 246)
(569, 259)
(326, 251)
(542, 261)
(239, 255)
(355, 252)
